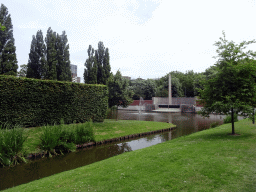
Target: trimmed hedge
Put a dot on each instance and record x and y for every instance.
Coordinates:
(34, 102)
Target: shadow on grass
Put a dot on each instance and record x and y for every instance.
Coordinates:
(224, 136)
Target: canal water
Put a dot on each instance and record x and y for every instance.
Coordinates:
(186, 123)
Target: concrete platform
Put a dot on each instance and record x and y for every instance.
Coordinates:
(166, 110)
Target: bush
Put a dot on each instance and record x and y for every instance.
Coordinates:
(84, 133)
(62, 139)
(214, 124)
(228, 119)
(50, 138)
(11, 144)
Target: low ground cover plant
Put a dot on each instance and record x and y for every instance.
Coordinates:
(11, 144)
(53, 140)
(59, 138)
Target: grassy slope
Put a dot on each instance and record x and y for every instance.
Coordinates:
(106, 130)
(209, 160)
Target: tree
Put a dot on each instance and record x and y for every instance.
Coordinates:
(119, 94)
(8, 60)
(36, 67)
(106, 67)
(99, 55)
(90, 72)
(102, 59)
(63, 62)
(97, 65)
(137, 87)
(163, 85)
(51, 55)
(196, 84)
(232, 88)
(23, 70)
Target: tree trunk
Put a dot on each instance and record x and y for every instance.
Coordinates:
(232, 120)
(117, 113)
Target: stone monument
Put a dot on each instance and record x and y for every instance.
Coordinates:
(170, 90)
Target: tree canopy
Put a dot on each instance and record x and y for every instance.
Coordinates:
(97, 65)
(119, 94)
(8, 60)
(231, 87)
(49, 60)
(37, 58)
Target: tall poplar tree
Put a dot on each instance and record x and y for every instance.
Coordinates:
(51, 54)
(63, 62)
(99, 60)
(36, 67)
(102, 57)
(90, 72)
(106, 67)
(8, 60)
(97, 65)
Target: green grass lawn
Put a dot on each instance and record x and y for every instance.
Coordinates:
(103, 131)
(210, 160)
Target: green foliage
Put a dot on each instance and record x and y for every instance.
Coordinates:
(8, 60)
(90, 72)
(2, 28)
(23, 70)
(228, 119)
(119, 94)
(50, 61)
(36, 67)
(63, 139)
(143, 88)
(231, 87)
(50, 138)
(51, 55)
(84, 133)
(97, 65)
(11, 144)
(36, 102)
(214, 124)
(63, 64)
(163, 86)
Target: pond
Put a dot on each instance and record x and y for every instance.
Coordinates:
(186, 123)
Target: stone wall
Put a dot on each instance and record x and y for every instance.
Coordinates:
(175, 100)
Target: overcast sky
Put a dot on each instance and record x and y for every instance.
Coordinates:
(146, 38)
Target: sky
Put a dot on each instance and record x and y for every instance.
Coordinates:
(145, 38)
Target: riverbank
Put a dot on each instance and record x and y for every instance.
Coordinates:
(107, 130)
(209, 160)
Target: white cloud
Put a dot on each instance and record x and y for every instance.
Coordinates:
(144, 39)
(33, 25)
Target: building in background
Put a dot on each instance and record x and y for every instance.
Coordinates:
(126, 77)
(74, 73)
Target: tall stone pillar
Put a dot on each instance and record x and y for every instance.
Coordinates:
(170, 90)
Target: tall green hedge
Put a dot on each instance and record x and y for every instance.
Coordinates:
(34, 102)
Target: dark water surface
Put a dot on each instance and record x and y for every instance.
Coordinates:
(185, 124)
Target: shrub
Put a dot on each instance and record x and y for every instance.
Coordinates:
(63, 139)
(84, 133)
(11, 144)
(228, 119)
(50, 138)
(214, 124)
